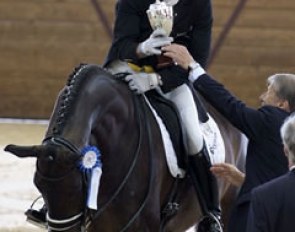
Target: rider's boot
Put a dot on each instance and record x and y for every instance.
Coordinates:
(37, 217)
(205, 184)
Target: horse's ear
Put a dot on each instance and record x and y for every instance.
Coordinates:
(23, 151)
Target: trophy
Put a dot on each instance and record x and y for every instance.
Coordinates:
(160, 15)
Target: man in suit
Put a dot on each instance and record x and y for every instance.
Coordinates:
(272, 207)
(265, 158)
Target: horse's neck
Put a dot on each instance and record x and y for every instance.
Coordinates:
(98, 110)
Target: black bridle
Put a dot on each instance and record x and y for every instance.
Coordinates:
(66, 224)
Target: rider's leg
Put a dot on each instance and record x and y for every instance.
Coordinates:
(208, 192)
(199, 157)
(183, 99)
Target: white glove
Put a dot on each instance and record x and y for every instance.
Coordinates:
(152, 45)
(142, 82)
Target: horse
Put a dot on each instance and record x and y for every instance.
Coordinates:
(96, 108)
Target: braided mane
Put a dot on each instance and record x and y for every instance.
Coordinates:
(69, 96)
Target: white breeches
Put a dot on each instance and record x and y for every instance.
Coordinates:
(183, 99)
(196, 132)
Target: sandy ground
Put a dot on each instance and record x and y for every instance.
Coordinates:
(16, 176)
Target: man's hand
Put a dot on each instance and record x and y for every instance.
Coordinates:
(179, 54)
(142, 82)
(152, 46)
(229, 173)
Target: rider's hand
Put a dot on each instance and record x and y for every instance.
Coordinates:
(142, 82)
(152, 45)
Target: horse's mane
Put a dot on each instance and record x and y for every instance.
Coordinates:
(69, 96)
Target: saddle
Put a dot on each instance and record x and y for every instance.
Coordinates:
(168, 112)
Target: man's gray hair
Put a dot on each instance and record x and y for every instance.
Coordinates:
(284, 86)
(288, 136)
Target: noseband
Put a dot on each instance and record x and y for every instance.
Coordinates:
(68, 223)
(61, 142)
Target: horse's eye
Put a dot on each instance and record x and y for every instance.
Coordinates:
(50, 158)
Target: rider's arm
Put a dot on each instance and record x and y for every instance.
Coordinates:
(131, 27)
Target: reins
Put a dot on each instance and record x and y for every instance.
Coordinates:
(137, 151)
(136, 102)
(65, 224)
(148, 129)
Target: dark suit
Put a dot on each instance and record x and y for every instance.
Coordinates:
(272, 206)
(192, 28)
(265, 157)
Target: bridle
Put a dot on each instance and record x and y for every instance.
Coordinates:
(68, 223)
(65, 224)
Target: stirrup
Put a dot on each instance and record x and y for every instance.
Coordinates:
(37, 217)
(209, 223)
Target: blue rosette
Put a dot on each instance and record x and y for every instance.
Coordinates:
(91, 163)
(91, 158)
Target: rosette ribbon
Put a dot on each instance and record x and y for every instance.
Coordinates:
(91, 162)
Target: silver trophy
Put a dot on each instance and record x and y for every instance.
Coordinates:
(161, 16)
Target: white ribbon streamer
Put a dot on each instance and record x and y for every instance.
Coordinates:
(93, 188)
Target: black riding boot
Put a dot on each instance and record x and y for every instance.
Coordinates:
(206, 187)
(37, 217)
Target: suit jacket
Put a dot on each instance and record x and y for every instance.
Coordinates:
(265, 158)
(192, 28)
(273, 206)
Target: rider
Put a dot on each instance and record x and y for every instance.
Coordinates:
(136, 43)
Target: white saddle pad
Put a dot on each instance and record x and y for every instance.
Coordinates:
(212, 138)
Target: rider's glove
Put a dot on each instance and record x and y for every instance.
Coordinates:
(152, 45)
(142, 82)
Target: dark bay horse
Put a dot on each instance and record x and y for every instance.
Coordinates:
(96, 109)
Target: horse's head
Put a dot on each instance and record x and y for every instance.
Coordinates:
(58, 179)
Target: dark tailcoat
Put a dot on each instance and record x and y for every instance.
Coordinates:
(192, 28)
(265, 157)
(272, 206)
